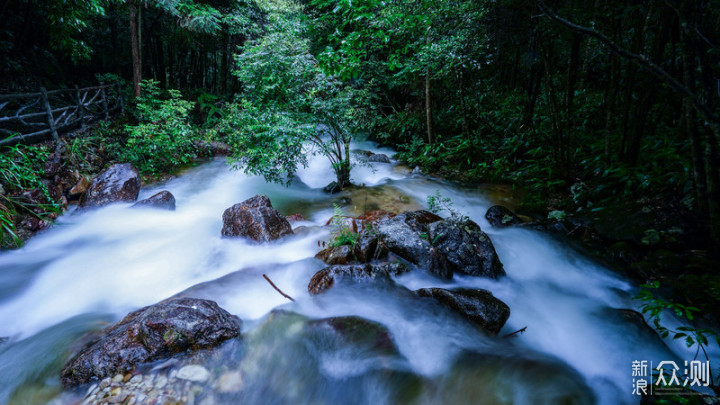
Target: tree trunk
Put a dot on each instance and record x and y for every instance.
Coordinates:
(135, 51)
(428, 107)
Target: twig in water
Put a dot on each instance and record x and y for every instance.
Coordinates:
(516, 332)
(277, 289)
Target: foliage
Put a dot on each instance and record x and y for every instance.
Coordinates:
(163, 139)
(289, 100)
(654, 306)
(437, 204)
(340, 232)
(21, 167)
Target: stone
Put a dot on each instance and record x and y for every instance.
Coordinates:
(194, 373)
(152, 333)
(294, 218)
(53, 165)
(119, 183)
(230, 381)
(379, 158)
(342, 254)
(163, 200)
(466, 248)
(478, 306)
(326, 278)
(501, 217)
(79, 188)
(406, 235)
(255, 219)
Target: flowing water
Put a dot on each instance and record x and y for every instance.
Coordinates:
(93, 268)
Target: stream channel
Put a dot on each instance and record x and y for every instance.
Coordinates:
(91, 269)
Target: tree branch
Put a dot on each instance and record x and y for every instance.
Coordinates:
(638, 59)
(277, 289)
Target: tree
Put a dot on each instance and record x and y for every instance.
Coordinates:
(290, 101)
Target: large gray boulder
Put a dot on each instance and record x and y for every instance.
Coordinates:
(152, 333)
(119, 183)
(406, 235)
(256, 219)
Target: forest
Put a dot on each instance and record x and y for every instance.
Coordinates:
(600, 121)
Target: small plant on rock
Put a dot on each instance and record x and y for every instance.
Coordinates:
(341, 233)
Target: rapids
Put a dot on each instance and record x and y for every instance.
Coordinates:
(92, 268)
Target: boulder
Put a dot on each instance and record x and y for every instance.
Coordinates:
(255, 219)
(152, 333)
(500, 217)
(162, 200)
(466, 248)
(406, 235)
(325, 278)
(366, 249)
(359, 332)
(119, 183)
(378, 158)
(477, 306)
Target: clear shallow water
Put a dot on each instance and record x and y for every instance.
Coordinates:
(93, 268)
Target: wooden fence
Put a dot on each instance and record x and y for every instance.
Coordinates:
(28, 118)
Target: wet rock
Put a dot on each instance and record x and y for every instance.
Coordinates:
(500, 216)
(406, 235)
(294, 218)
(255, 219)
(477, 306)
(326, 278)
(359, 331)
(378, 157)
(152, 333)
(162, 200)
(332, 188)
(194, 373)
(119, 183)
(417, 171)
(232, 381)
(219, 148)
(466, 248)
(342, 254)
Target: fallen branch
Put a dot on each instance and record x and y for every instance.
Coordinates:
(277, 289)
(516, 332)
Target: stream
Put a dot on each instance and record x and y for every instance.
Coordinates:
(93, 268)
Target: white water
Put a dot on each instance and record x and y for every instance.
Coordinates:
(97, 266)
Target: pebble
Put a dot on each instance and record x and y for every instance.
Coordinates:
(91, 390)
(136, 379)
(229, 382)
(105, 383)
(194, 373)
(160, 382)
(118, 378)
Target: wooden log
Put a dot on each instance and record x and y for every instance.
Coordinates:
(80, 108)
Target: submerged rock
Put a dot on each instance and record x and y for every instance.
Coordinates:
(500, 216)
(119, 183)
(162, 200)
(151, 333)
(378, 158)
(256, 219)
(477, 306)
(325, 278)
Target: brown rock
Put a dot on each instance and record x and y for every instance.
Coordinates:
(255, 219)
(119, 183)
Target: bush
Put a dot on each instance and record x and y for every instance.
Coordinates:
(163, 139)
